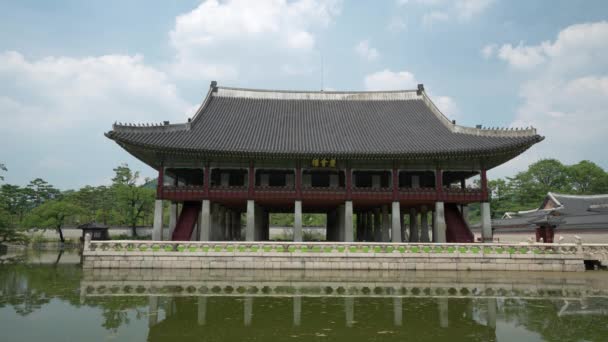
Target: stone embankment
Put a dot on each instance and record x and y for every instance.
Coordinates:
(340, 256)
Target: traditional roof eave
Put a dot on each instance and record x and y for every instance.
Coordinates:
(483, 154)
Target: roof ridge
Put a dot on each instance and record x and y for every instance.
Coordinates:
(292, 91)
(580, 196)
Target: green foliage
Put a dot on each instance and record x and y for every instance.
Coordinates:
(135, 202)
(527, 189)
(2, 168)
(54, 214)
(9, 233)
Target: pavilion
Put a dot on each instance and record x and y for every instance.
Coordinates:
(365, 159)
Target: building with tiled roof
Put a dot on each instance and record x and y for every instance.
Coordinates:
(561, 212)
(365, 159)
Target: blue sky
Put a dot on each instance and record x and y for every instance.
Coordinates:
(69, 69)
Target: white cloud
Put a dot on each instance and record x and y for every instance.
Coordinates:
(446, 105)
(221, 31)
(521, 56)
(364, 50)
(444, 10)
(576, 47)
(404, 80)
(434, 17)
(389, 80)
(488, 51)
(60, 106)
(565, 95)
(467, 9)
(397, 24)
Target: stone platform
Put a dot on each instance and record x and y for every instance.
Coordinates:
(339, 256)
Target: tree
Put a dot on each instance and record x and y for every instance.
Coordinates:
(134, 201)
(54, 214)
(41, 191)
(14, 200)
(8, 232)
(587, 178)
(2, 168)
(532, 185)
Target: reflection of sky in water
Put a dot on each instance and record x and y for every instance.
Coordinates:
(44, 302)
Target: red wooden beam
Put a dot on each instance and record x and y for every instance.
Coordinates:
(395, 183)
(439, 180)
(251, 176)
(484, 185)
(207, 180)
(298, 180)
(161, 182)
(349, 183)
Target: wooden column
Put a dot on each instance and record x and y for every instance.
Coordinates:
(251, 176)
(395, 183)
(439, 181)
(207, 180)
(349, 183)
(484, 185)
(298, 180)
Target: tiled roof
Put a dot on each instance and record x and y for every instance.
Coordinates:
(577, 212)
(397, 123)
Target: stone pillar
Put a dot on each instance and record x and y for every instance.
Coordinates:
(349, 310)
(369, 230)
(221, 214)
(377, 226)
(396, 224)
(439, 229)
(424, 224)
(491, 319)
(224, 179)
(152, 311)
(376, 181)
(297, 221)
(359, 226)
(157, 229)
(215, 222)
(205, 221)
(297, 310)
(442, 305)
(397, 311)
(228, 229)
(172, 219)
(486, 223)
(386, 224)
(404, 235)
(340, 226)
(250, 228)
(414, 236)
(247, 310)
(236, 225)
(348, 221)
(202, 310)
(330, 226)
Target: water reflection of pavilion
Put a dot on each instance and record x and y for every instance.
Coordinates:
(227, 305)
(350, 318)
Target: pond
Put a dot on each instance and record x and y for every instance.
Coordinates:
(50, 298)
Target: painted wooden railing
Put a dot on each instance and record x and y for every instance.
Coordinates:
(598, 251)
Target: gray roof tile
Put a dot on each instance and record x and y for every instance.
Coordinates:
(316, 123)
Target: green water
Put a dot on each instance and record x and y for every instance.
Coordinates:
(45, 299)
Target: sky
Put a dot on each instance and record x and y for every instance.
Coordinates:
(71, 68)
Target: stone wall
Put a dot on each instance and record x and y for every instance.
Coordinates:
(332, 256)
